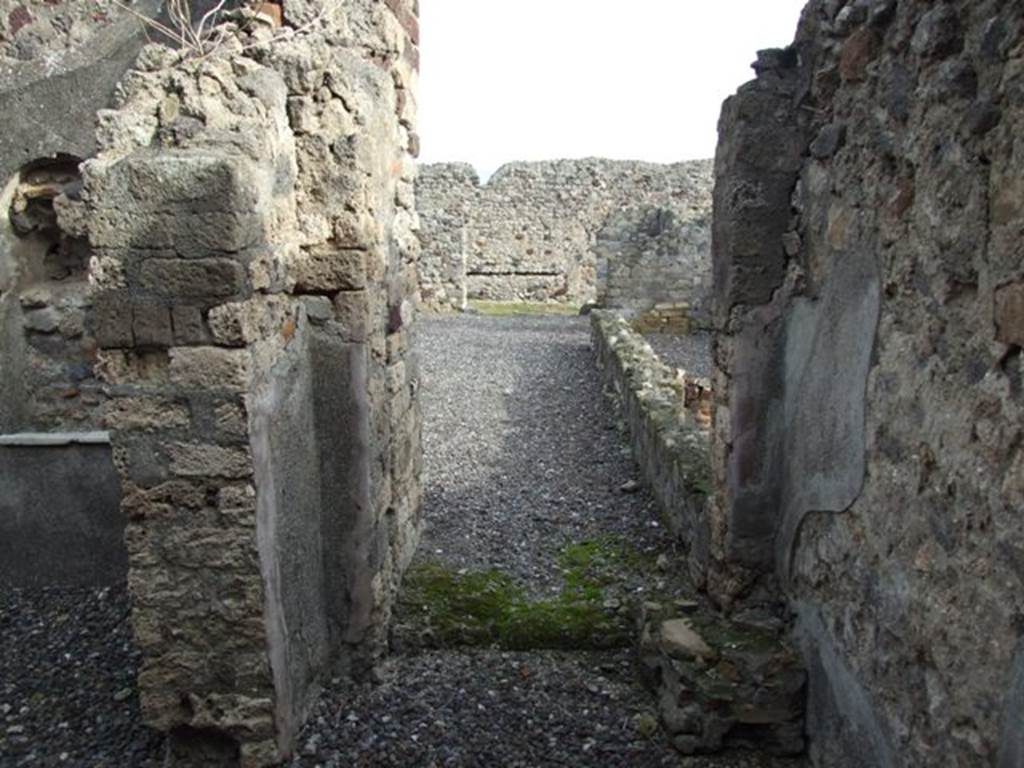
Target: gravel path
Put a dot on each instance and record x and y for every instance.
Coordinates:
(692, 353)
(67, 681)
(522, 452)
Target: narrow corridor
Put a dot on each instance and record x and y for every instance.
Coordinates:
(513, 638)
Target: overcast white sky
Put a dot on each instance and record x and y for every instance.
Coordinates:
(509, 80)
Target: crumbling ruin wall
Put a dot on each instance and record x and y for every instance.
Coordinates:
(868, 433)
(59, 63)
(529, 232)
(444, 196)
(251, 220)
(59, 518)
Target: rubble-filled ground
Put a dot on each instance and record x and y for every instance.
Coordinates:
(536, 528)
(690, 352)
(522, 452)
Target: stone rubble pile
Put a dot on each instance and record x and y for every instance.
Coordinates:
(723, 683)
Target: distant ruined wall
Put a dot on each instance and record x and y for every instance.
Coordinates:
(529, 233)
(869, 301)
(251, 221)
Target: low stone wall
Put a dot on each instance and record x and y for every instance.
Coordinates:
(668, 427)
(720, 682)
(531, 232)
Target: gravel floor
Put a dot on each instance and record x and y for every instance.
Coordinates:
(522, 452)
(486, 709)
(692, 353)
(67, 681)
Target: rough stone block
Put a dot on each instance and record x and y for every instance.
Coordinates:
(326, 270)
(723, 683)
(187, 324)
(112, 314)
(128, 413)
(197, 460)
(201, 180)
(1009, 309)
(249, 322)
(352, 313)
(151, 324)
(130, 367)
(210, 279)
(205, 233)
(210, 368)
(45, 320)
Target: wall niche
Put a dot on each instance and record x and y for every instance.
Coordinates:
(47, 352)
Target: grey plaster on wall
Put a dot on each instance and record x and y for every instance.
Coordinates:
(289, 534)
(1011, 744)
(840, 713)
(57, 106)
(60, 518)
(754, 476)
(829, 342)
(340, 375)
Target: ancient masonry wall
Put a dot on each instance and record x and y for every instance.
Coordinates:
(868, 446)
(531, 233)
(59, 496)
(251, 223)
(655, 260)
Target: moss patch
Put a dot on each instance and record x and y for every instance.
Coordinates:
(590, 566)
(489, 608)
(510, 308)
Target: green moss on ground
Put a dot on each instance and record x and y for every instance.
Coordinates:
(489, 608)
(511, 309)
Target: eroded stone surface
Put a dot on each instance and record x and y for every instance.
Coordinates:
(868, 426)
(667, 416)
(269, 456)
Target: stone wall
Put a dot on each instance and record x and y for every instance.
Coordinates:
(530, 232)
(868, 433)
(251, 228)
(46, 327)
(656, 259)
